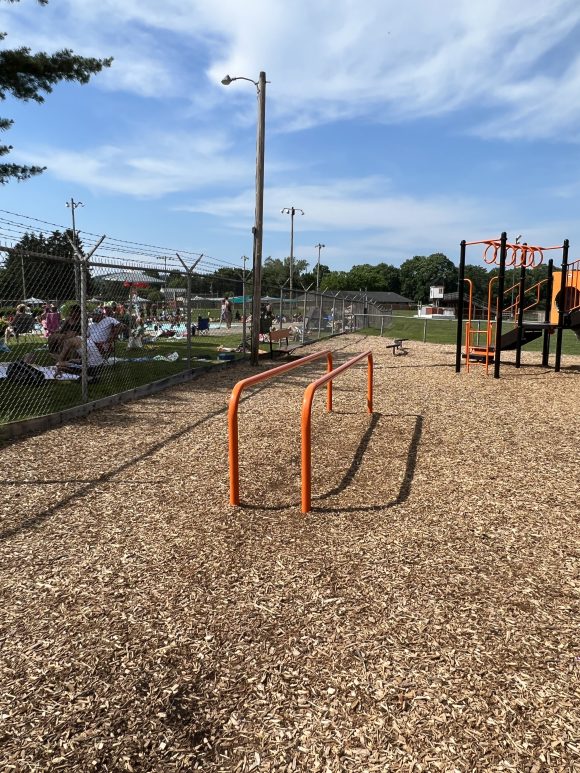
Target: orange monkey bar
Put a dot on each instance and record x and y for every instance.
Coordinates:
(307, 420)
(233, 412)
(528, 255)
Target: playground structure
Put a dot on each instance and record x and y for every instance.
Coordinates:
(560, 290)
(306, 420)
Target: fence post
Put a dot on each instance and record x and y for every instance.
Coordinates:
(382, 325)
(82, 265)
(188, 316)
(188, 271)
(304, 317)
(425, 331)
(281, 305)
(320, 300)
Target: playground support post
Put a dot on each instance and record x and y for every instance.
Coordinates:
(306, 423)
(233, 412)
(499, 317)
(562, 309)
(520, 319)
(460, 292)
(549, 290)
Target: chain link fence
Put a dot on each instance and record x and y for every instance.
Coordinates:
(315, 315)
(78, 326)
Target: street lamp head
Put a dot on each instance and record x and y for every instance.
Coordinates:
(227, 80)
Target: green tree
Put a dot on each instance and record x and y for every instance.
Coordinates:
(480, 278)
(176, 279)
(25, 75)
(275, 272)
(309, 277)
(335, 280)
(390, 278)
(379, 278)
(228, 281)
(420, 272)
(30, 270)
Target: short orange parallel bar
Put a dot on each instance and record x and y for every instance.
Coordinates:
(233, 411)
(307, 420)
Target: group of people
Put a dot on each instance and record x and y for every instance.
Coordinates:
(66, 344)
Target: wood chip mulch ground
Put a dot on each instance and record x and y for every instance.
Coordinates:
(424, 617)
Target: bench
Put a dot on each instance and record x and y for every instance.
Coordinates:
(281, 335)
(397, 346)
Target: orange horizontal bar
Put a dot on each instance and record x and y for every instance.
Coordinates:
(486, 241)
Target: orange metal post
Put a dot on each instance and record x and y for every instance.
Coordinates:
(468, 323)
(233, 412)
(307, 420)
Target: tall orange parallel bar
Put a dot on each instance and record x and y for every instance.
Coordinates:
(235, 401)
(307, 420)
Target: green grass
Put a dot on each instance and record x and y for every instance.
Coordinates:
(21, 402)
(441, 332)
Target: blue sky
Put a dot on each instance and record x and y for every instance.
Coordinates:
(399, 128)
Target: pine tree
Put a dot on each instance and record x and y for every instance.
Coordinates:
(43, 264)
(25, 75)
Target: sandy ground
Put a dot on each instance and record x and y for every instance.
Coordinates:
(424, 616)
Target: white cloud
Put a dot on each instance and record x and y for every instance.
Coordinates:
(381, 59)
(354, 217)
(155, 166)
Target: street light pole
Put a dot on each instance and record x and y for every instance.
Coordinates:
(257, 230)
(72, 204)
(319, 246)
(291, 211)
(244, 258)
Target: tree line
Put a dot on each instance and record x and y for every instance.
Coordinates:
(29, 266)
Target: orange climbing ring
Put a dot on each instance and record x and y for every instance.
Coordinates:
(517, 255)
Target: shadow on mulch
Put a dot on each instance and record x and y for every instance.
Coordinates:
(404, 489)
(36, 520)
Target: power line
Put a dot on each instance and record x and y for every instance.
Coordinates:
(113, 244)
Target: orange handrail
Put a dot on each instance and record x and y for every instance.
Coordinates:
(517, 300)
(489, 321)
(529, 289)
(573, 275)
(307, 420)
(233, 412)
(468, 323)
